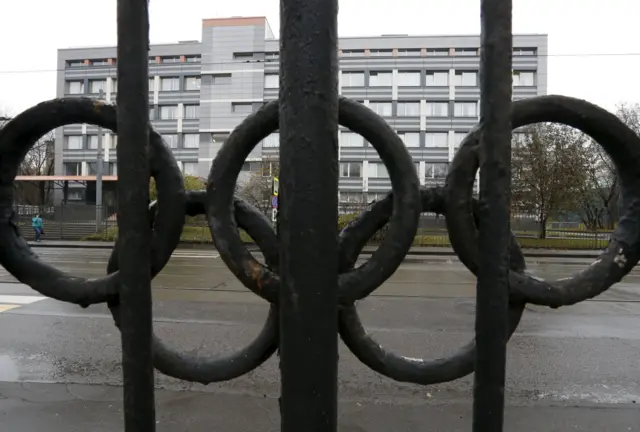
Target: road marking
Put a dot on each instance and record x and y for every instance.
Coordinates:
(20, 299)
(10, 302)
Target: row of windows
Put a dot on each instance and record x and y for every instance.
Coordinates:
(172, 112)
(77, 142)
(414, 79)
(152, 60)
(401, 52)
(95, 86)
(433, 170)
(111, 168)
(410, 139)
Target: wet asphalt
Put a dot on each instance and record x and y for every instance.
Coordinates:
(583, 356)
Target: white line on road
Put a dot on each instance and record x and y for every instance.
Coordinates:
(19, 299)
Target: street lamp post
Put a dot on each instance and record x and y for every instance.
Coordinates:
(99, 175)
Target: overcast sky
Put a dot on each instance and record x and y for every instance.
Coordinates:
(594, 45)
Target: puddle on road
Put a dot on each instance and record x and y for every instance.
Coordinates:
(8, 369)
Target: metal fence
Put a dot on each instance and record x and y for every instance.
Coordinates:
(309, 276)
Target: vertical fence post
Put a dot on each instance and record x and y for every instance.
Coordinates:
(134, 232)
(495, 195)
(308, 214)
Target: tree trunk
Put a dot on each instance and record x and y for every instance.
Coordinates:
(542, 232)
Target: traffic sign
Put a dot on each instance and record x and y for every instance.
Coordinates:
(274, 201)
(274, 214)
(276, 184)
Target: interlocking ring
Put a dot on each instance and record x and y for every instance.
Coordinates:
(207, 370)
(352, 239)
(352, 284)
(17, 137)
(623, 251)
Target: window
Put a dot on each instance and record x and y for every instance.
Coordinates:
(96, 86)
(351, 169)
(268, 169)
(466, 79)
(436, 170)
(352, 53)
(351, 139)
(409, 79)
(408, 53)
(171, 59)
(272, 140)
(242, 108)
(410, 139)
(152, 84)
(72, 168)
(524, 78)
(152, 60)
(152, 113)
(171, 140)
(380, 79)
(271, 56)
(377, 170)
(458, 137)
(193, 59)
(100, 62)
(380, 53)
(75, 87)
(92, 168)
(352, 197)
(222, 79)
(114, 85)
(251, 166)
(169, 84)
(74, 142)
(524, 51)
(92, 142)
(353, 79)
(243, 56)
(114, 141)
(109, 168)
(437, 52)
(271, 81)
(408, 109)
(75, 63)
(168, 112)
(471, 52)
(436, 140)
(75, 194)
(192, 83)
(437, 79)
(465, 109)
(437, 109)
(192, 111)
(191, 141)
(190, 168)
(382, 108)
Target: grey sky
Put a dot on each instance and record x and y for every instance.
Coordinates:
(594, 45)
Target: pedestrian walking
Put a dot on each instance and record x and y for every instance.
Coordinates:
(37, 225)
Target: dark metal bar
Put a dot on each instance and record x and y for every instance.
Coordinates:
(309, 211)
(495, 195)
(134, 232)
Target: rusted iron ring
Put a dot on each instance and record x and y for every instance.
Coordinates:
(17, 137)
(402, 226)
(623, 251)
(364, 347)
(207, 370)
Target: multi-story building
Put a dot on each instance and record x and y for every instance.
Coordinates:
(426, 87)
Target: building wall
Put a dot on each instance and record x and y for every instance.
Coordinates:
(237, 64)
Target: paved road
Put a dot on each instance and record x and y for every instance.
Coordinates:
(568, 369)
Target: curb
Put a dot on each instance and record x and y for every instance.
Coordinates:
(411, 255)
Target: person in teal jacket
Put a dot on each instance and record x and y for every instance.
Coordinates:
(36, 224)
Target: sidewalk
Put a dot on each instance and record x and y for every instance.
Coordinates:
(98, 408)
(368, 250)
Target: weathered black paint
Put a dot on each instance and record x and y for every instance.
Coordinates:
(134, 232)
(492, 294)
(309, 276)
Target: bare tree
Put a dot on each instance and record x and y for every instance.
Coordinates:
(600, 193)
(257, 190)
(548, 168)
(39, 161)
